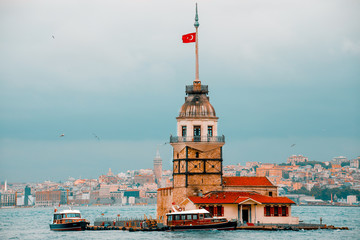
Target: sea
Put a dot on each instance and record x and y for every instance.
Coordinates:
(33, 223)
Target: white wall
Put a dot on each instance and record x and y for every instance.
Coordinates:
(190, 123)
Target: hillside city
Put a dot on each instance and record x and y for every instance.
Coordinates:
(306, 182)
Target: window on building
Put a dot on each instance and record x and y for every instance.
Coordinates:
(276, 211)
(177, 217)
(183, 131)
(284, 211)
(197, 131)
(194, 217)
(170, 218)
(267, 211)
(188, 217)
(220, 210)
(270, 194)
(183, 217)
(210, 131)
(211, 209)
(197, 154)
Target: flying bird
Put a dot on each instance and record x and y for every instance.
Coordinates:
(62, 135)
(293, 145)
(53, 37)
(96, 136)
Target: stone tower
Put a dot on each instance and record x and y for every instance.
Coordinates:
(197, 149)
(158, 168)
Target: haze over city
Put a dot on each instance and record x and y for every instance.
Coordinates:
(283, 78)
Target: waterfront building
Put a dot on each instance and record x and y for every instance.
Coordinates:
(50, 198)
(8, 199)
(198, 179)
(351, 199)
(249, 207)
(26, 195)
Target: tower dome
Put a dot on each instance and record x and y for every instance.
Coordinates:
(197, 103)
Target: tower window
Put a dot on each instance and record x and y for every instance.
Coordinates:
(183, 131)
(195, 166)
(197, 133)
(197, 154)
(210, 131)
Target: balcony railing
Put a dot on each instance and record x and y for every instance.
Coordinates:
(193, 89)
(175, 139)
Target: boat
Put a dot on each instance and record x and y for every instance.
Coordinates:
(198, 219)
(68, 220)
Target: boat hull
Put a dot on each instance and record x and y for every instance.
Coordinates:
(75, 226)
(231, 225)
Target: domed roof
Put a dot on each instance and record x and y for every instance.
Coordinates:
(197, 105)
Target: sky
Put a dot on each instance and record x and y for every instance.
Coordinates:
(279, 73)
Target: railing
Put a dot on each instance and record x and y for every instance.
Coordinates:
(175, 139)
(197, 114)
(203, 89)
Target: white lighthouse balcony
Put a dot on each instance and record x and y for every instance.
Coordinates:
(176, 139)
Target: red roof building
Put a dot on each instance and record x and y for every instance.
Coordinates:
(247, 207)
(238, 197)
(261, 185)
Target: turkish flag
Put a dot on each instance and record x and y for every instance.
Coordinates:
(188, 38)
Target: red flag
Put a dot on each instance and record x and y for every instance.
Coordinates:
(188, 38)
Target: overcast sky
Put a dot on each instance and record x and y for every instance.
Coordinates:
(279, 73)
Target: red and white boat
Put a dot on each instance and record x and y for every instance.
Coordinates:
(199, 219)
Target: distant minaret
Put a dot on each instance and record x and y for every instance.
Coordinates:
(157, 167)
(5, 189)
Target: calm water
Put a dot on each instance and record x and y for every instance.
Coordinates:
(33, 223)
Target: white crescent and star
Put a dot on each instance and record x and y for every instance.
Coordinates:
(191, 37)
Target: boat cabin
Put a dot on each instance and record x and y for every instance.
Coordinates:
(67, 216)
(192, 217)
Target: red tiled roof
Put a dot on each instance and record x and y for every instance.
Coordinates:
(238, 197)
(246, 181)
(217, 197)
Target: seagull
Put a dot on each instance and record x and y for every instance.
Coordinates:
(53, 37)
(62, 135)
(293, 145)
(96, 136)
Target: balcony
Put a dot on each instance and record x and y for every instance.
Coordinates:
(175, 139)
(191, 89)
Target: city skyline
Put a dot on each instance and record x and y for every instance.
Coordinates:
(111, 78)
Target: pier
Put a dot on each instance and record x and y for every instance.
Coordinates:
(149, 224)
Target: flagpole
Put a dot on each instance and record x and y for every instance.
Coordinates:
(196, 24)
